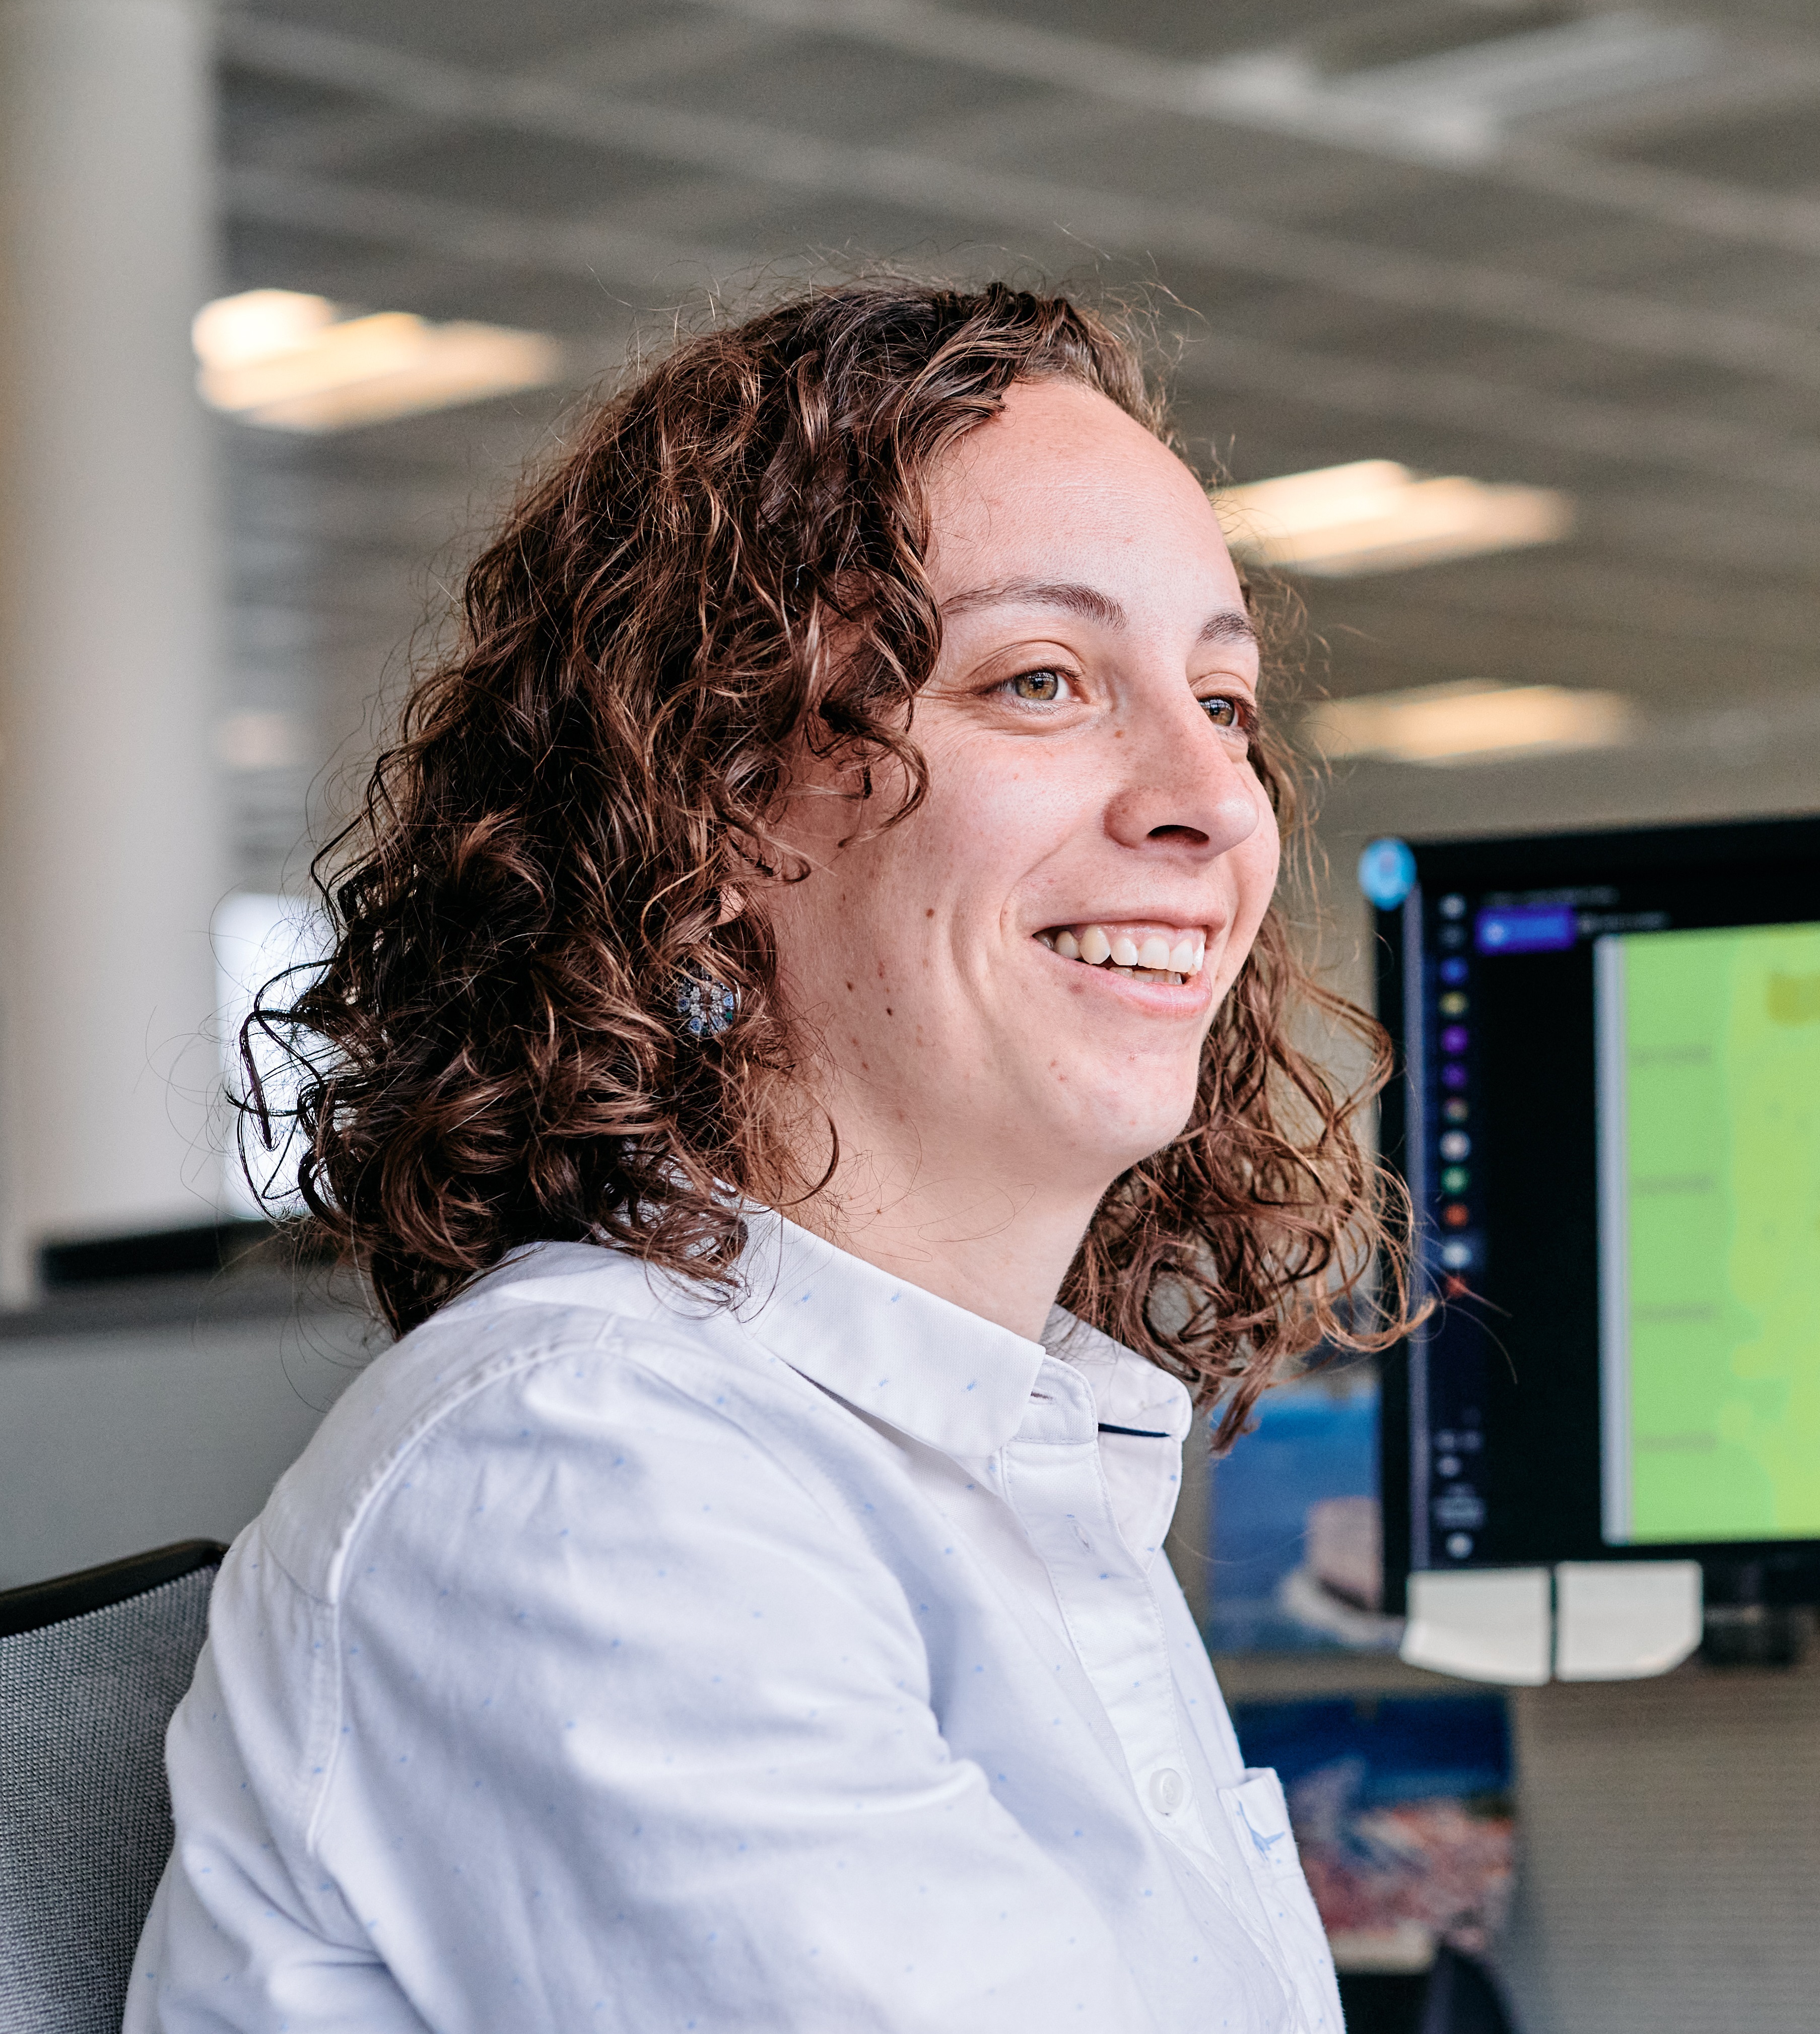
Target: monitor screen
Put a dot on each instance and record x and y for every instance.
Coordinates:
(1609, 1117)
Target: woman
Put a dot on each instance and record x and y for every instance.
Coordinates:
(820, 915)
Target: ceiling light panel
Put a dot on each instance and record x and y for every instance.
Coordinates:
(1459, 101)
(1470, 720)
(292, 362)
(1374, 515)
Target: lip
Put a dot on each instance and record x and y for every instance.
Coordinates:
(1124, 914)
(1161, 999)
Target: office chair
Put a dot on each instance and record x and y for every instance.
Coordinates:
(90, 1667)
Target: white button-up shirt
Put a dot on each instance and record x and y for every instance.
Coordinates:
(615, 1660)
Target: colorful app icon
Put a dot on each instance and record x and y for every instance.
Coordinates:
(1387, 871)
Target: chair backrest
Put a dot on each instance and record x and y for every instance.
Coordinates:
(91, 1666)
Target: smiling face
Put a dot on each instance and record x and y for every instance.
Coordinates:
(1011, 990)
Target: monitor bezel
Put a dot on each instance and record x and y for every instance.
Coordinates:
(1773, 1571)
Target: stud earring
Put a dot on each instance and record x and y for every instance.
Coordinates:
(705, 1007)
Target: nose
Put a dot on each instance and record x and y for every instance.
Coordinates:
(1184, 786)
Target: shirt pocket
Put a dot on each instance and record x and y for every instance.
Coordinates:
(1260, 1817)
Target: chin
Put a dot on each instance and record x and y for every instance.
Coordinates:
(1138, 1133)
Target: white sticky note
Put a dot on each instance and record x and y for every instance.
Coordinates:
(1483, 1624)
(1622, 1620)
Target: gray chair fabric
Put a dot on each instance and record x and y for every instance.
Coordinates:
(84, 1807)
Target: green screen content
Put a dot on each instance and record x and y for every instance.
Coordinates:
(1709, 1217)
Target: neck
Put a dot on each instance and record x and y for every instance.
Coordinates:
(998, 1247)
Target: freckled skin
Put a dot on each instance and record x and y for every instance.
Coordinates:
(984, 1108)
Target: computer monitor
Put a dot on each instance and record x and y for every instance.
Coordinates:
(1607, 1113)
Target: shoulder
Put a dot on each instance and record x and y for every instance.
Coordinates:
(554, 1367)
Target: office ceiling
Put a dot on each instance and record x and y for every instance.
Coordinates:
(1565, 245)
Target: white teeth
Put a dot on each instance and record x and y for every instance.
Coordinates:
(1155, 956)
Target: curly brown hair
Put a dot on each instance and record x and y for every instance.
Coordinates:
(728, 563)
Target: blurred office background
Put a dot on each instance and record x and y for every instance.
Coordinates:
(1539, 278)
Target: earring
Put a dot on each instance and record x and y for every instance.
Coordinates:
(705, 1007)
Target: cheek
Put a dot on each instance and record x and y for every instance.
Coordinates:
(1256, 861)
(860, 932)
(986, 823)
(825, 929)
(1255, 864)
(1264, 861)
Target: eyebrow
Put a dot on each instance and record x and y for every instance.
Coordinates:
(1225, 625)
(1087, 602)
(1229, 624)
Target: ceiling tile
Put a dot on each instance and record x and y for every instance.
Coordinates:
(1774, 150)
(845, 91)
(505, 170)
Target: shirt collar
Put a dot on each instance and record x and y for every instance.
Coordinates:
(920, 1363)
(1129, 1391)
(889, 1348)
(903, 1354)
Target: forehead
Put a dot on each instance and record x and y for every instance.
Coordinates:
(1062, 474)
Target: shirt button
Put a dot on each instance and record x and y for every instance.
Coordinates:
(1168, 1790)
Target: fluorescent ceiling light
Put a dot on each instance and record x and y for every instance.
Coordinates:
(1375, 515)
(292, 362)
(1506, 76)
(1470, 720)
(1460, 102)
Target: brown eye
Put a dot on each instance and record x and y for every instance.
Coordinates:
(1041, 687)
(1224, 711)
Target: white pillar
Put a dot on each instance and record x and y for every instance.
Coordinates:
(110, 853)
